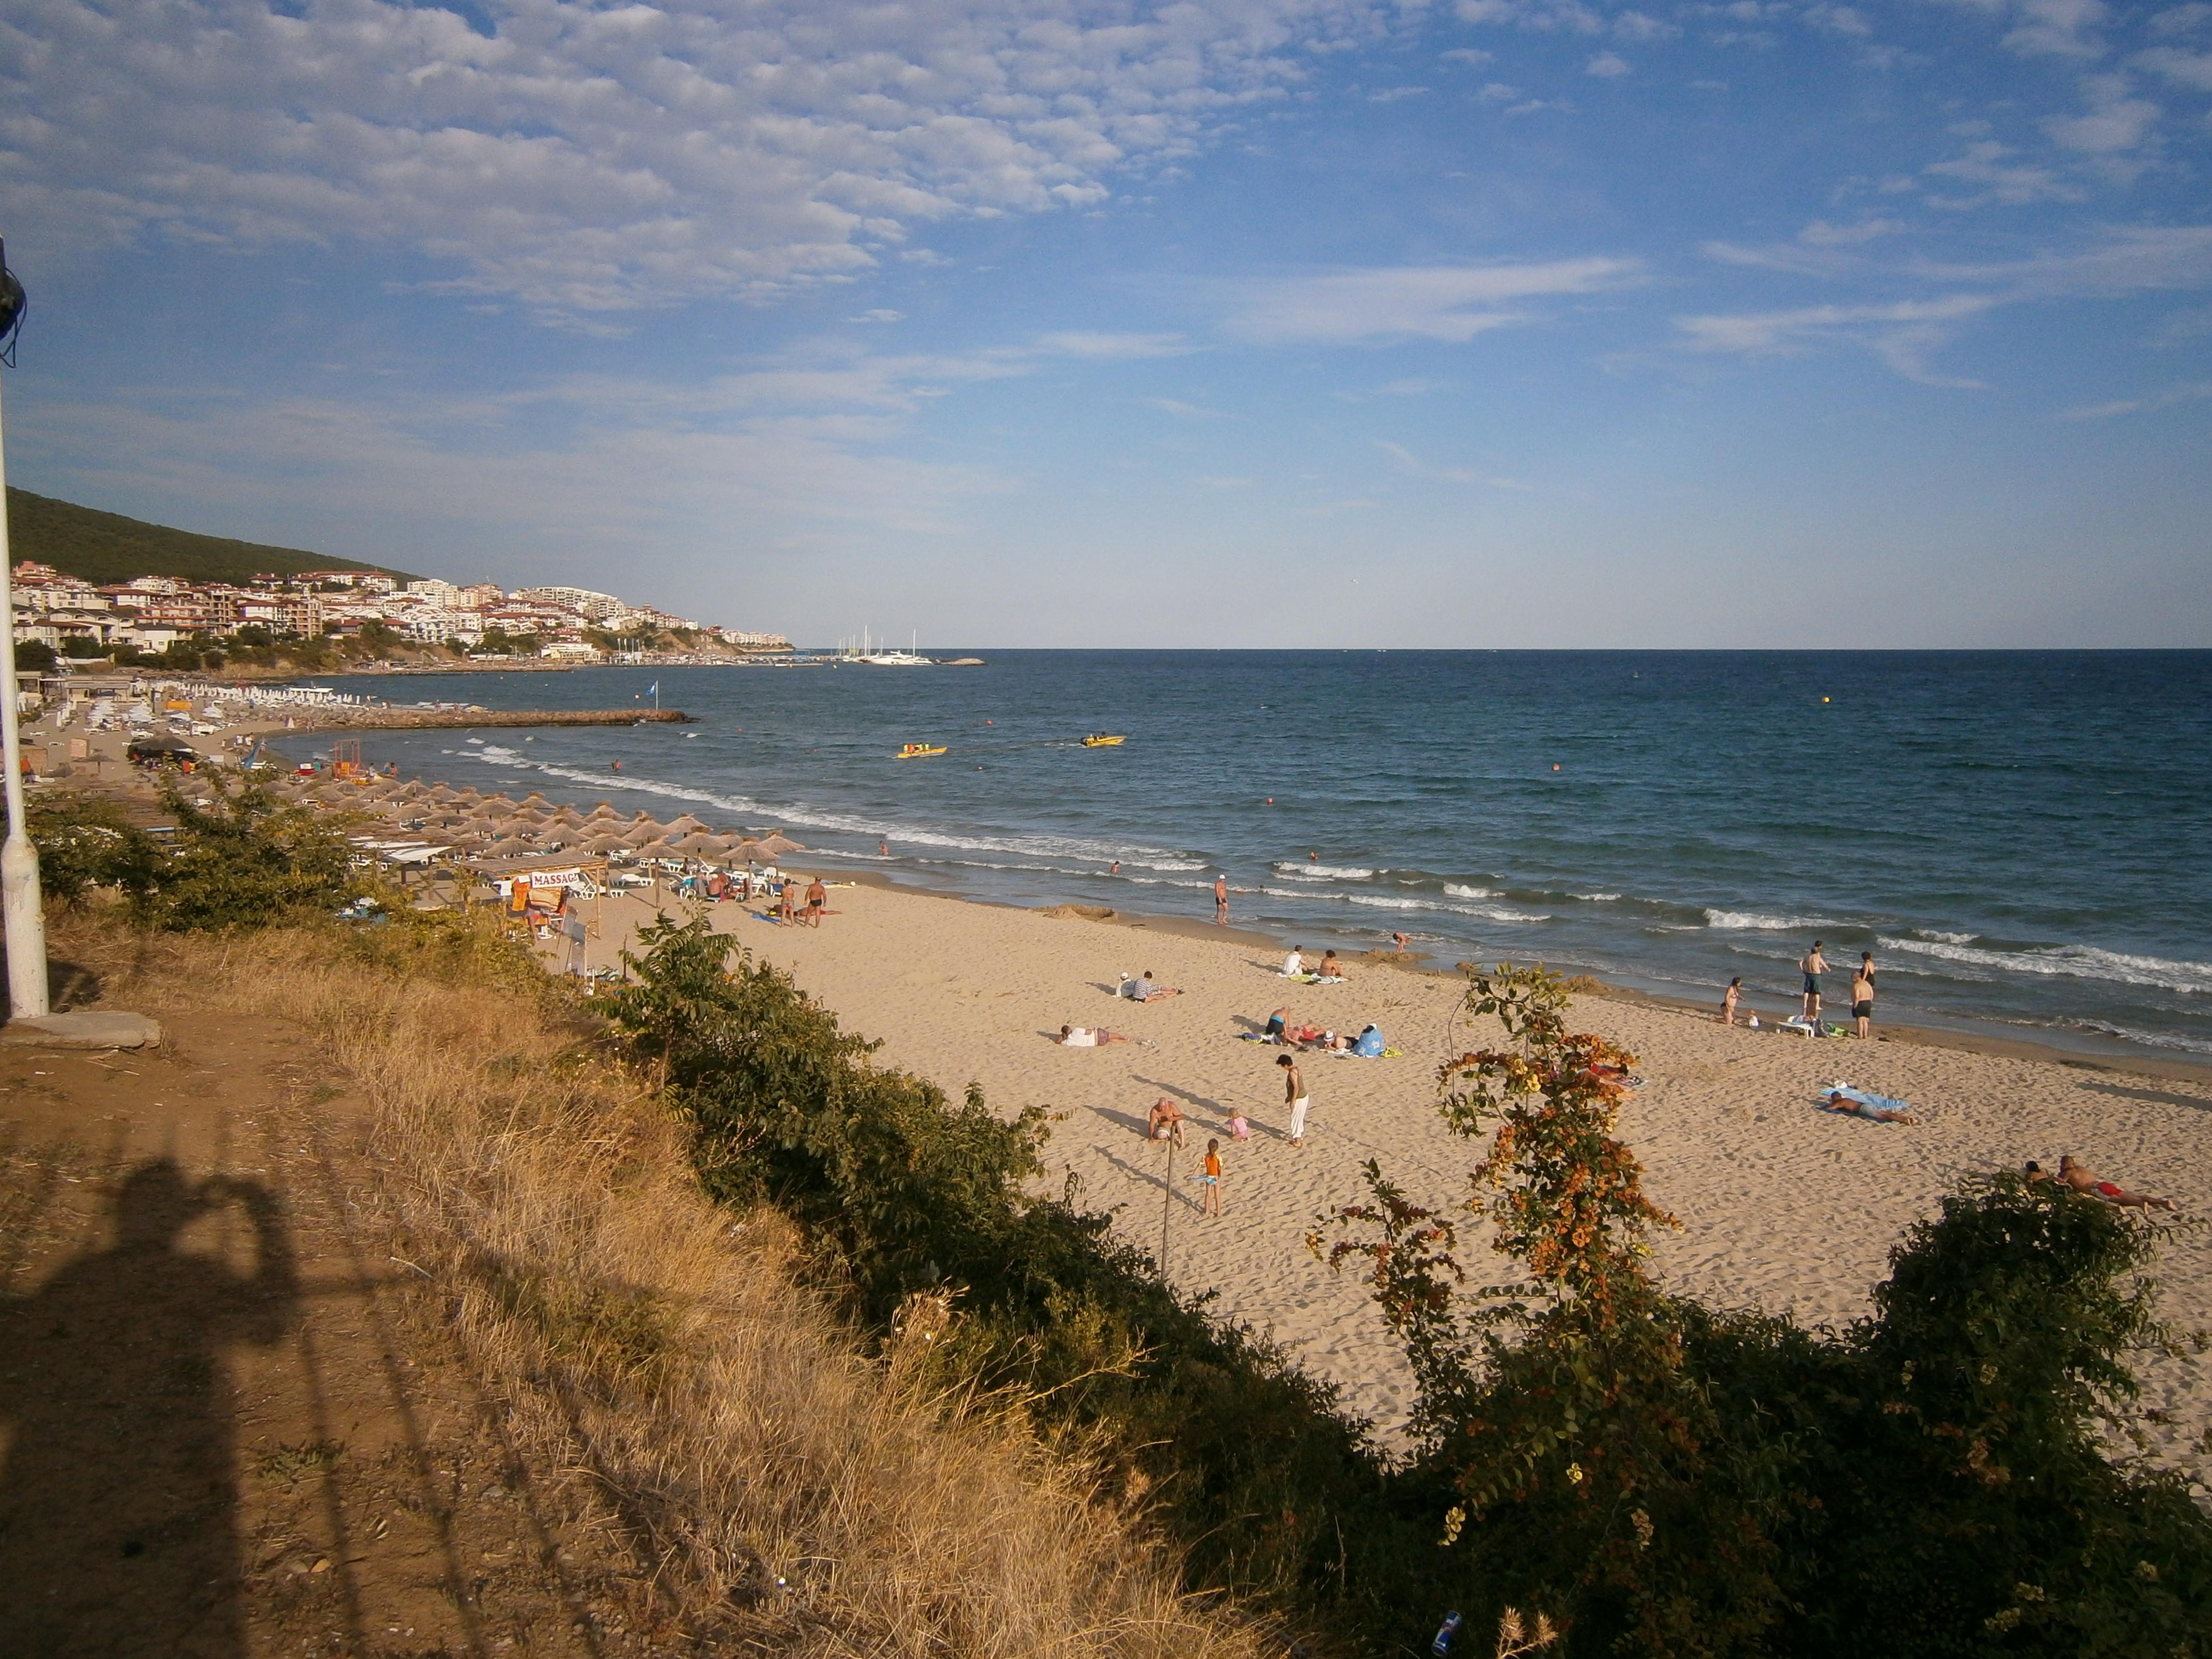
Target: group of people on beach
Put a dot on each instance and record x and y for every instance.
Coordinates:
(1813, 965)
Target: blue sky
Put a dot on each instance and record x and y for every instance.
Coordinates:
(1283, 322)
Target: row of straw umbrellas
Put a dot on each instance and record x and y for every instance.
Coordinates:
(476, 825)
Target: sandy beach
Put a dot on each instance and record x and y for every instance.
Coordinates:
(1783, 1207)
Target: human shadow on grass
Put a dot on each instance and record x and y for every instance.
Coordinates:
(118, 1515)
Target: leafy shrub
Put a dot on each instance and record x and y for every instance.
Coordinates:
(1667, 1479)
(84, 841)
(905, 1194)
(247, 860)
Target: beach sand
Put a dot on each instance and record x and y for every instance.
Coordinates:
(1783, 1207)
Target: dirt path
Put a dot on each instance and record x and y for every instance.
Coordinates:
(228, 1427)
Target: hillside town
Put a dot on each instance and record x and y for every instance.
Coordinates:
(163, 615)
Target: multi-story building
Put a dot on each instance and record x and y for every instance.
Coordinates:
(578, 601)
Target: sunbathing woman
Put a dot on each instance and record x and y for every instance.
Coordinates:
(1085, 1036)
(2082, 1179)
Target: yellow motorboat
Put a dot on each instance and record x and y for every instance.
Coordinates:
(919, 751)
(1105, 740)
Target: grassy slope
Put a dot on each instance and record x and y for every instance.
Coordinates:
(106, 547)
(780, 1493)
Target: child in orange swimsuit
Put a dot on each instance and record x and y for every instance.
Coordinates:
(1211, 1179)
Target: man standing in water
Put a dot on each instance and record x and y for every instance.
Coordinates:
(1221, 901)
(1813, 967)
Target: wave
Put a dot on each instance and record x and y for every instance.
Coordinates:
(1458, 891)
(2071, 962)
(1321, 871)
(1754, 921)
(2128, 1034)
(1942, 938)
(1047, 847)
(1597, 898)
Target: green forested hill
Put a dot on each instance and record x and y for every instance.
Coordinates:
(106, 547)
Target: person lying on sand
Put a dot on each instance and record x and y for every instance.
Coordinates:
(2082, 1179)
(1839, 1101)
(1164, 1121)
(1085, 1036)
(1143, 988)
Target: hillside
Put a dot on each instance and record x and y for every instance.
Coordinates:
(106, 547)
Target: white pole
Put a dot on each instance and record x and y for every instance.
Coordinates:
(20, 907)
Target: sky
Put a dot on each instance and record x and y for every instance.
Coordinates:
(1500, 323)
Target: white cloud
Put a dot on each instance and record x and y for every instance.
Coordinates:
(1821, 233)
(2195, 392)
(1768, 332)
(1608, 65)
(1498, 93)
(878, 314)
(1639, 25)
(2183, 19)
(1474, 57)
(1393, 94)
(1438, 302)
(1077, 343)
(2005, 184)
(2191, 68)
(2115, 122)
(582, 159)
(1839, 20)
(1413, 464)
(1182, 410)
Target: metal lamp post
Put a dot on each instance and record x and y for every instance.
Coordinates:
(19, 905)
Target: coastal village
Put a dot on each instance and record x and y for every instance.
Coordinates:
(151, 616)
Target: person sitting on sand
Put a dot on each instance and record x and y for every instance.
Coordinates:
(1295, 963)
(1164, 1121)
(1085, 1036)
(1330, 966)
(1278, 1024)
(1240, 1127)
(1143, 990)
(1839, 1101)
(2082, 1179)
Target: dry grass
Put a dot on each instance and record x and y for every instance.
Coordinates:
(783, 1492)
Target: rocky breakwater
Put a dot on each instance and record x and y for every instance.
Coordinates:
(408, 719)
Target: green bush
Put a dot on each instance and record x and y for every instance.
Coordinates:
(247, 860)
(84, 841)
(1663, 1478)
(1253, 1468)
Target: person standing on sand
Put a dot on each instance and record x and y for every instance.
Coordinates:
(1211, 1178)
(1398, 939)
(1728, 998)
(1862, 999)
(1294, 1093)
(818, 901)
(1813, 967)
(1221, 901)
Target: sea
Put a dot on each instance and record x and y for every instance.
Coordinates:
(2023, 839)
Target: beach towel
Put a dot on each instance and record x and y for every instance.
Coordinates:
(1863, 1097)
(1370, 1046)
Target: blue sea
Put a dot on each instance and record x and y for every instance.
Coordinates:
(2022, 838)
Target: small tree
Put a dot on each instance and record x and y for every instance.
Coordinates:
(247, 860)
(85, 842)
(1592, 1458)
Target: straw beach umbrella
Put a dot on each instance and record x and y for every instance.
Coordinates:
(512, 847)
(686, 825)
(776, 845)
(602, 846)
(699, 845)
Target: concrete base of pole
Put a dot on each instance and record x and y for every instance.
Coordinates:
(92, 1028)
(25, 918)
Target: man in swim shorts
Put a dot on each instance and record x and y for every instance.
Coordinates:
(1164, 1121)
(1813, 967)
(1867, 1110)
(1221, 901)
(2083, 1179)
